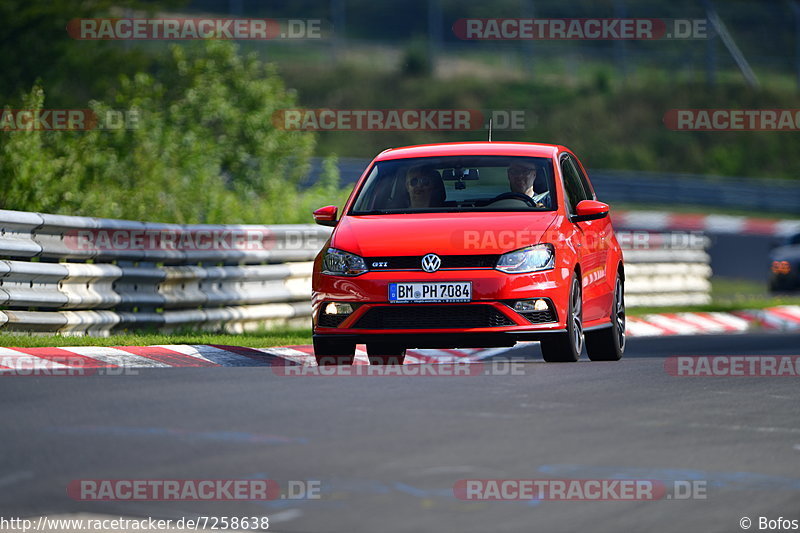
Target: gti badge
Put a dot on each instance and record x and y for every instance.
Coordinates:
(431, 263)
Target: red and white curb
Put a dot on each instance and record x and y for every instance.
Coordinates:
(92, 358)
(664, 324)
(305, 354)
(98, 357)
(666, 221)
(783, 318)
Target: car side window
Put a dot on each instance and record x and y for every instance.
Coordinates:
(572, 184)
(584, 180)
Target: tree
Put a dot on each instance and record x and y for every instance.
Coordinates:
(203, 150)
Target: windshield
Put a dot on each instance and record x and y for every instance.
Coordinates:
(457, 183)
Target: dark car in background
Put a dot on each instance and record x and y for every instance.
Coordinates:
(785, 265)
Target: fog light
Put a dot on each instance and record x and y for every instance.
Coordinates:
(332, 314)
(528, 306)
(523, 306)
(336, 308)
(535, 310)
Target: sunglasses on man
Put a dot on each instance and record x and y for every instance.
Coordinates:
(419, 181)
(520, 171)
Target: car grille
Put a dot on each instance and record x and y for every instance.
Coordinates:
(414, 262)
(539, 317)
(330, 321)
(433, 317)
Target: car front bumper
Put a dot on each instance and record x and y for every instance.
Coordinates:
(493, 292)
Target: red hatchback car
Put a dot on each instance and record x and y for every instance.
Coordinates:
(476, 244)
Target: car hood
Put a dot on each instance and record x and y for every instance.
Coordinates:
(440, 233)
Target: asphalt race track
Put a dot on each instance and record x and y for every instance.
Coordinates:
(388, 450)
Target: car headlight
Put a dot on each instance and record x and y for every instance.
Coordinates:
(530, 259)
(339, 263)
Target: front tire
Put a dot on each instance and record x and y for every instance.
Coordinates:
(334, 351)
(608, 344)
(381, 353)
(567, 347)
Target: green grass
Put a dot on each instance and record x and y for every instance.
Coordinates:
(254, 340)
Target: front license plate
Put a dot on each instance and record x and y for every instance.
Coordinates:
(441, 291)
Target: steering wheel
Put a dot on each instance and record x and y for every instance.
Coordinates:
(514, 196)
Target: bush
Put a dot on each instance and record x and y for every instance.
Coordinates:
(204, 149)
(416, 61)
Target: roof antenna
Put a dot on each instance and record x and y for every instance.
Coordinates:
(490, 130)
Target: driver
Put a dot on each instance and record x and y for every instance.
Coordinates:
(521, 175)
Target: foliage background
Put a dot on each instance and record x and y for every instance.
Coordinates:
(206, 150)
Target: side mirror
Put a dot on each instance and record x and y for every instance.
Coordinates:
(326, 216)
(589, 210)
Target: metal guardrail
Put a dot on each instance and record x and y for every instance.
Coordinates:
(77, 275)
(758, 195)
(92, 276)
(663, 271)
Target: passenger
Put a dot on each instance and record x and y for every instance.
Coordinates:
(425, 187)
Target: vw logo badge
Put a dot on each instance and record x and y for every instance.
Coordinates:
(431, 263)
